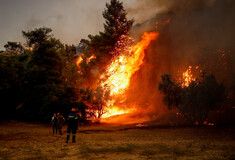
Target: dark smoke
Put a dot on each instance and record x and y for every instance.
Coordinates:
(144, 10)
(199, 33)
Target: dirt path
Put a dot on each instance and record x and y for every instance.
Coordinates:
(35, 141)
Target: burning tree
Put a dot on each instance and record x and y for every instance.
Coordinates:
(116, 60)
(99, 51)
(116, 26)
(117, 77)
(194, 101)
(93, 102)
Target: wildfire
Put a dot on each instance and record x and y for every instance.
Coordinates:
(117, 77)
(116, 111)
(206, 123)
(188, 77)
(80, 60)
(122, 68)
(91, 57)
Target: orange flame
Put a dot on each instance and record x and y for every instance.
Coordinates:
(117, 111)
(80, 60)
(91, 57)
(123, 67)
(117, 77)
(187, 77)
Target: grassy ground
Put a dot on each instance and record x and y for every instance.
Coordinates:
(26, 141)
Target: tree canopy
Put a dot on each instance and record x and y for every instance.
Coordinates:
(38, 36)
(39, 78)
(116, 25)
(195, 101)
(14, 47)
(44, 77)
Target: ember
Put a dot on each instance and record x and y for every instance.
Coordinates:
(188, 77)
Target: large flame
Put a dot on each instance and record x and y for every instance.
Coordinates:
(113, 111)
(187, 77)
(117, 77)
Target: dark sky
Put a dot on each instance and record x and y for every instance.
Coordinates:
(70, 20)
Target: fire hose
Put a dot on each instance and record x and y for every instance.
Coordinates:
(33, 140)
(57, 137)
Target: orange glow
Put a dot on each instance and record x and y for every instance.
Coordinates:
(79, 60)
(91, 57)
(112, 111)
(166, 22)
(117, 77)
(124, 66)
(208, 123)
(187, 77)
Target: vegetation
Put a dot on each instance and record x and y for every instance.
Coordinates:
(195, 101)
(23, 141)
(12, 73)
(34, 82)
(42, 77)
(13, 47)
(115, 28)
(94, 100)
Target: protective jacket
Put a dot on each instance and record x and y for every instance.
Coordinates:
(72, 121)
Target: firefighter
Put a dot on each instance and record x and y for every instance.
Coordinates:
(61, 121)
(54, 122)
(72, 122)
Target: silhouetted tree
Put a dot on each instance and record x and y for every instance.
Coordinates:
(12, 73)
(14, 47)
(37, 37)
(195, 101)
(99, 99)
(116, 26)
(48, 87)
(41, 81)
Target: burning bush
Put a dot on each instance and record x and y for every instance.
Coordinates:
(194, 101)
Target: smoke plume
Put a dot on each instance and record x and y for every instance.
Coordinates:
(197, 33)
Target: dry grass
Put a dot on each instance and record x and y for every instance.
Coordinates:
(26, 141)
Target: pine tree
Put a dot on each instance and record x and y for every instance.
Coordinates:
(116, 25)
